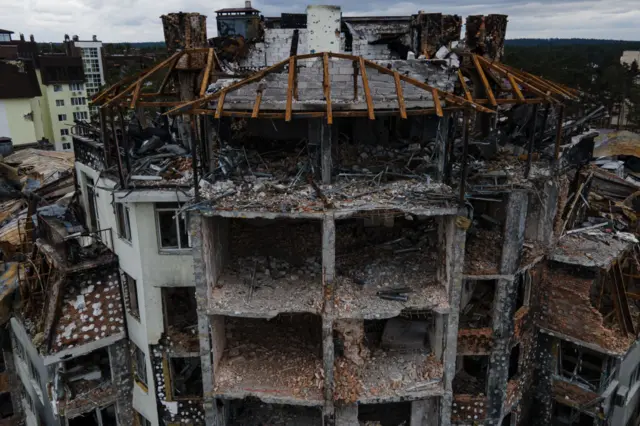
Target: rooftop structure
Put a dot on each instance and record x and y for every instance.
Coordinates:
(346, 221)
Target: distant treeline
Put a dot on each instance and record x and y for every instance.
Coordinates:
(529, 42)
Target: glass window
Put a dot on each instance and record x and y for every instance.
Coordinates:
(59, 102)
(57, 88)
(62, 117)
(173, 230)
(131, 291)
(122, 219)
(66, 146)
(75, 86)
(64, 132)
(139, 365)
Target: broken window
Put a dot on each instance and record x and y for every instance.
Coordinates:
(476, 304)
(173, 232)
(253, 412)
(393, 414)
(580, 364)
(94, 223)
(514, 362)
(270, 266)
(186, 377)
(87, 372)
(6, 405)
(142, 420)
(131, 291)
(108, 415)
(139, 365)
(181, 317)
(386, 257)
(483, 247)
(282, 354)
(86, 419)
(471, 375)
(565, 415)
(122, 220)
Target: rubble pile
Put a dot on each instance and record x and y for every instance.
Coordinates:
(482, 252)
(279, 358)
(399, 159)
(265, 285)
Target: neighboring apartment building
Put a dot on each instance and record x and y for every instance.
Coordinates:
(20, 106)
(64, 97)
(93, 62)
(156, 266)
(69, 334)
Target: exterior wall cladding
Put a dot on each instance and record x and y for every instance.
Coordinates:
(309, 347)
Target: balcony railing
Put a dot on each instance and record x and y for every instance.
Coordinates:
(88, 152)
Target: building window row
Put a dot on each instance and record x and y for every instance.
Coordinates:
(82, 115)
(78, 101)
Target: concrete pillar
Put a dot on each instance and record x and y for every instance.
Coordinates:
(542, 408)
(543, 206)
(504, 304)
(441, 145)
(454, 238)
(425, 413)
(347, 415)
(320, 135)
(328, 351)
(120, 363)
(201, 235)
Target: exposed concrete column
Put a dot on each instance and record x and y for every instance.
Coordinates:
(328, 279)
(347, 415)
(425, 413)
(200, 230)
(542, 212)
(453, 234)
(543, 403)
(442, 135)
(120, 364)
(504, 304)
(320, 135)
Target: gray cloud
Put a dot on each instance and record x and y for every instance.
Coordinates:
(139, 20)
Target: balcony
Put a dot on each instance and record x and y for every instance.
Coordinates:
(88, 152)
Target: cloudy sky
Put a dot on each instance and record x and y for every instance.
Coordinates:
(138, 20)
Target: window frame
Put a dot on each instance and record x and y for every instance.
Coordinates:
(137, 357)
(57, 87)
(62, 117)
(178, 218)
(66, 145)
(59, 102)
(131, 288)
(123, 222)
(64, 132)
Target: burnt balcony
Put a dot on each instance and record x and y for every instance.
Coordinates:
(89, 152)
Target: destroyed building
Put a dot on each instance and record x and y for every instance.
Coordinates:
(317, 219)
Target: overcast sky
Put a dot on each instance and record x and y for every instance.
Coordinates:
(139, 20)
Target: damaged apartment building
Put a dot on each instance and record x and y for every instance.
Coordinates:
(326, 220)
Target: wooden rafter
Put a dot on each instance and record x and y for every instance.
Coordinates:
(251, 79)
(543, 83)
(326, 84)
(359, 62)
(484, 80)
(136, 95)
(256, 104)
(207, 73)
(465, 88)
(519, 80)
(515, 87)
(220, 104)
(319, 114)
(367, 91)
(165, 80)
(400, 95)
(140, 80)
(436, 102)
(292, 73)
